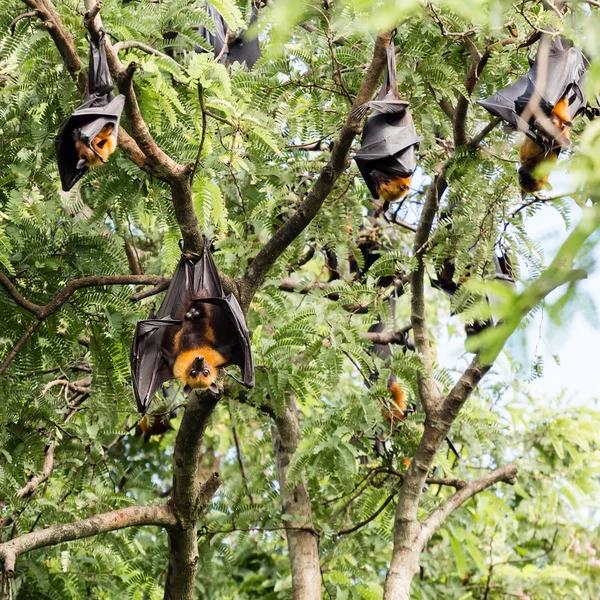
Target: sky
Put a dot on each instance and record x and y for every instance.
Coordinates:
(575, 341)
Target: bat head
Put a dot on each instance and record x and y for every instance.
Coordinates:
(197, 369)
(390, 187)
(87, 157)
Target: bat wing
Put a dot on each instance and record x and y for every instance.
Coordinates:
(91, 119)
(179, 292)
(218, 39)
(244, 50)
(205, 277)
(388, 145)
(565, 68)
(242, 356)
(503, 103)
(149, 368)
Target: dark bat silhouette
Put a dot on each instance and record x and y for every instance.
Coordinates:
(387, 157)
(89, 135)
(230, 48)
(557, 73)
(196, 332)
(445, 282)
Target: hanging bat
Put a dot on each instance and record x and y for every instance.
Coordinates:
(229, 48)
(154, 424)
(197, 332)
(89, 136)
(537, 160)
(387, 157)
(543, 104)
(445, 281)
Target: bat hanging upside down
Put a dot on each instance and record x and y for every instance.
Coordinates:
(196, 354)
(102, 146)
(536, 161)
(197, 331)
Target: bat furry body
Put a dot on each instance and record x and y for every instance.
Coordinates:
(202, 345)
(537, 161)
(390, 188)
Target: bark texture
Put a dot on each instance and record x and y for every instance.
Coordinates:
(302, 540)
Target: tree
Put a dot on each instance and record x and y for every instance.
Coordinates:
(215, 149)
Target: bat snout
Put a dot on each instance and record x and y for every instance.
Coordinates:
(199, 367)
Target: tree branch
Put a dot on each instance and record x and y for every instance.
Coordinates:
(30, 488)
(392, 337)
(160, 515)
(324, 184)
(26, 15)
(476, 140)
(43, 312)
(507, 473)
(427, 387)
(144, 48)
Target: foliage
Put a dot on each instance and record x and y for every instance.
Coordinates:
(535, 540)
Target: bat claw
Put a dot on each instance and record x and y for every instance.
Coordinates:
(192, 314)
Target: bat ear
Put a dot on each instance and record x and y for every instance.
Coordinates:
(81, 163)
(214, 388)
(186, 390)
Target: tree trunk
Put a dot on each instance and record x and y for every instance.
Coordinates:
(404, 566)
(302, 544)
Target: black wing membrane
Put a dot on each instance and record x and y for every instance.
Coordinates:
(192, 281)
(229, 49)
(149, 368)
(245, 48)
(558, 71)
(389, 140)
(388, 101)
(100, 107)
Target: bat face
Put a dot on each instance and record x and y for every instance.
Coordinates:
(101, 147)
(198, 368)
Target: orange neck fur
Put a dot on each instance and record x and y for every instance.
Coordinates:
(396, 411)
(394, 189)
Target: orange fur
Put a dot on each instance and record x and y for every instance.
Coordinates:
(398, 405)
(393, 190)
(104, 144)
(185, 359)
(532, 175)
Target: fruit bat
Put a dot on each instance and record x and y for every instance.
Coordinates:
(227, 47)
(387, 158)
(543, 104)
(196, 332)
(445, 281)
(88, 137)
(154, 424)
(557, 72)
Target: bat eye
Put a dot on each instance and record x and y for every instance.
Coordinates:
(193, 373)
(206, 372)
